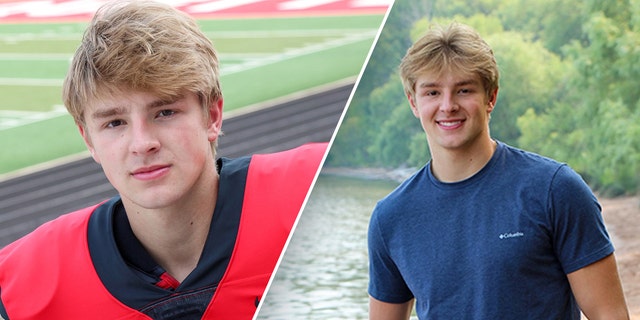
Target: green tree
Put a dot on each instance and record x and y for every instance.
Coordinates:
(362, 121)
(553, 23)
(388, 105)
(568, 89)
(595, 125)
(531, 77)
(450, 8)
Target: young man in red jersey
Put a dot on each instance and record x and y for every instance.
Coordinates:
(188, 237)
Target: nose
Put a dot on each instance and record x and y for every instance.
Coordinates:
(448, 103)
(143, 138)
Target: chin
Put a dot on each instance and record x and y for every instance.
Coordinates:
(154, 200)
(451, 145)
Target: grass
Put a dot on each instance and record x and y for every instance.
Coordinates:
(47, 140)
(29, 98)
(261, 59)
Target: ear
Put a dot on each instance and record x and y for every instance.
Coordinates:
(493, 97)
(87, 142)
(412, 102)
(214, 127)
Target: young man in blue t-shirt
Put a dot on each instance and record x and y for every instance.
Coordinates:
(484, 230)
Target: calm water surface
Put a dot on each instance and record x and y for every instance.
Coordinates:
(324, 273)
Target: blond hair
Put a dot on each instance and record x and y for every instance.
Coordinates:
(456, 47)
(141, 45)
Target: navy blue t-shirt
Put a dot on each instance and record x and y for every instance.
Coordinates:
(496, 245)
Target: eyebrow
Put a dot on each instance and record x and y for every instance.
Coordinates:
(161, 103)
(118, 110)
(108, 112)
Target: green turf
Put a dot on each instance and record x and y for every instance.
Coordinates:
(40, 44)
(295, 75)
(39, 142)
(33, 69)
(37, 55)
(29, 98)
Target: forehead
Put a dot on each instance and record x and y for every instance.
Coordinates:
(446, 78)
(122, 98)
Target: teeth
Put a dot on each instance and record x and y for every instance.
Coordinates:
(449, 123)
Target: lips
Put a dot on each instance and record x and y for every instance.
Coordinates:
(449, 124)
(150, 172)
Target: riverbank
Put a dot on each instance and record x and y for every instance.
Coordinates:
(398, 175)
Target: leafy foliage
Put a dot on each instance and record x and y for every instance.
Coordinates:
(569, 88)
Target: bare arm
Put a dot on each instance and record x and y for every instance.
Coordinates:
(598, 290)
(379, 310)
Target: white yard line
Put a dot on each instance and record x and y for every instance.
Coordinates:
(11, 118)
(252, 60)
(218, 5)
(35, 56)
(302, 4)
(31, 82)
(297, 52)
(17, 37)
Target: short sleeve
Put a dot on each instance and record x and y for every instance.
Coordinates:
(579, 234)
(385, 280)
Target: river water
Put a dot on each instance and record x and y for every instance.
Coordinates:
(324, 272)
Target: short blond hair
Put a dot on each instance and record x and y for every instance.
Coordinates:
(141, 45)
(454, 47)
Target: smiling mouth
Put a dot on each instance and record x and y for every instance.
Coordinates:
(450, 124)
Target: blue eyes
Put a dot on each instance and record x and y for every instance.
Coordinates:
(114, 123)
(435, 92)
(167, 113)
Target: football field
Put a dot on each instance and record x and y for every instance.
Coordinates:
(261, 59)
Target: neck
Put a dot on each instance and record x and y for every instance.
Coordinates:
(175, 236)
(452, 165)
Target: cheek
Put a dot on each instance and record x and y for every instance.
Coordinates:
(110, 151)
(425, 112)
(193, 142)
